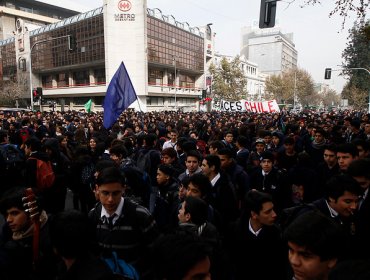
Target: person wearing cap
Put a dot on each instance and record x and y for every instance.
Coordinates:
(254, 156)
(166, 204)
(267, 178)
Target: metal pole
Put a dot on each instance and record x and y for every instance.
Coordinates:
(175, 84)
(294, 92)
(30, 59)
(31, 90)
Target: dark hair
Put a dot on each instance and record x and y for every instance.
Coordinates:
(150, 139)
(110, 175)
(3, 135)
(104, 163)
(171, 152)
(197, 208)
(242, 141)
(12, 198)
(361, 142)
(338, 184)
(226, 152)
(118, 150)
(217, 144)
(348, 148)
(202, 182)
(176, 253)
(254, 201)
(166, 169)
(331, 147)
(194, 153)
(213, 160)
(34, 144)
(317, 233)
(71, 233)
(359, 168)
(188, 146)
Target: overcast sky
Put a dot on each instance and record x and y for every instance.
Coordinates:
(319, 39)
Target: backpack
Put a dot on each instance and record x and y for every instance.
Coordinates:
(288, 215)
(11, 158)
(120, 268)
(45, 176)
(143, 161)
(139, 184)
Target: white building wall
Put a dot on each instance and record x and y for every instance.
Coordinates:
(273, 51)
(125, 36)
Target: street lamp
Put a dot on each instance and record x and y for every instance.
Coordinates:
(30, 59)
(327, 76)
(174, 60)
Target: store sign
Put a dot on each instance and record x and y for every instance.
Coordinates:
(270, 106)
(124, 6)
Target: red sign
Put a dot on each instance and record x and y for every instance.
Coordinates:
(124, 5)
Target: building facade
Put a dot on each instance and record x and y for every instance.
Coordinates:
(165, 59)
(273, 51)
(255, 80)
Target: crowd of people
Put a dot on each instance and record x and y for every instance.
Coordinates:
(186, 195)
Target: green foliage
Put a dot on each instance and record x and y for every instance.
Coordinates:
(282, 87)
(229, 81)
(357, 98)
(357, 55)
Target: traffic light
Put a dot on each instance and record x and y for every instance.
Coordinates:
(35, 95)
(327, 73)
(267, 13)
(204, 93)
(39, 92)
(72, 43)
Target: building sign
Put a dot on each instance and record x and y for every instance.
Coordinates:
(124, 6)
(270, 106)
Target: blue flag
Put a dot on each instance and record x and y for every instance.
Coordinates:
(120, 95)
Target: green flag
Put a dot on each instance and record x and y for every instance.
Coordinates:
(88, 106)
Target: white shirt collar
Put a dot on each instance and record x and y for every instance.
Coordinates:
(252, 230)
(264, 173)
(104, 214)
(215, 179)
(333, 213)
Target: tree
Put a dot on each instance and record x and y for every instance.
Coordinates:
(11, 90)
(329, 97)
(345, 7)
(229, 81)
(357, 97)
(357, 55)
(297, 82)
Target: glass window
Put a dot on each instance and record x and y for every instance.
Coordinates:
(81, 78)
(62, 80)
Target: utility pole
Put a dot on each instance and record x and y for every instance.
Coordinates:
(174, 59)
(295, 88)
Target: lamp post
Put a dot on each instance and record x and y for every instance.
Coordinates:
(356, 68)
(174, 60)
(30, 59)
(295, 89)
